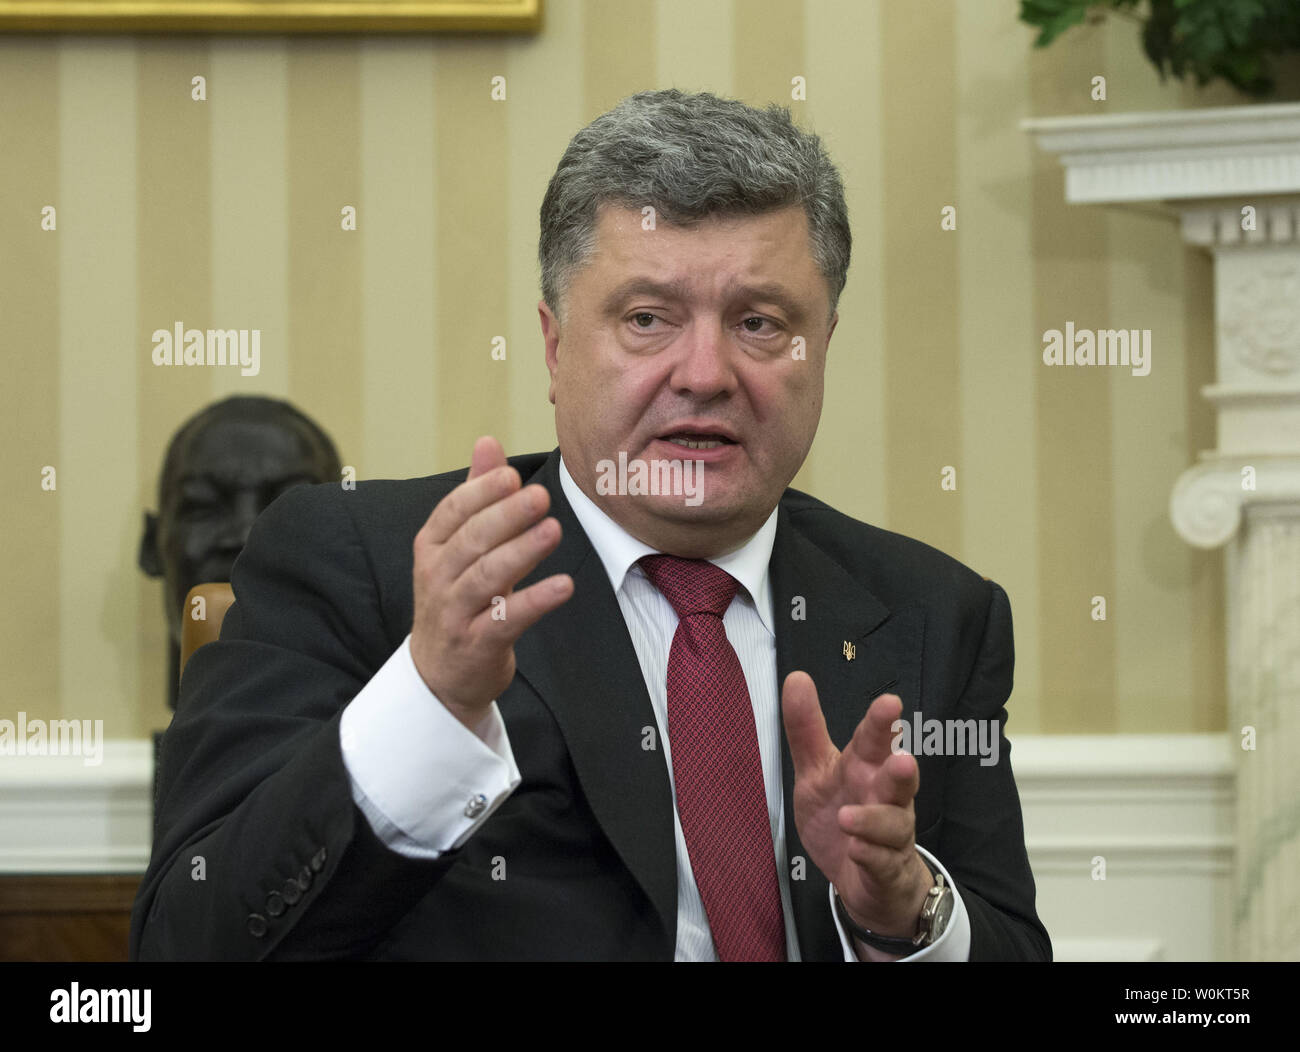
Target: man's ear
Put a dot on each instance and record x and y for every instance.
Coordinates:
(835, 320)
(150, 559)
(551, 338)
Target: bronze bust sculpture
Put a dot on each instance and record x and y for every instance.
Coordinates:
(222, 468)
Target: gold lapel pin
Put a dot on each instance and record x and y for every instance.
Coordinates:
(850, 651)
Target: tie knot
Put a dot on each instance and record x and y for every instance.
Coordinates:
(692, 586)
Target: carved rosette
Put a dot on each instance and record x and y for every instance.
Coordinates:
(1259, 317)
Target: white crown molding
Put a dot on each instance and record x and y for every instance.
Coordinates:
(1217, 223)
(60, 815)
(1062, 759)
(1177, 155)
(1135, 799)
(1243, 394)
(1131, 841)
(1108, 949)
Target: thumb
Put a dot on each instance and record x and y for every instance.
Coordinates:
(487, 455)
(805, 726)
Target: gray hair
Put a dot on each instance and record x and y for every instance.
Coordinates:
(689, 157)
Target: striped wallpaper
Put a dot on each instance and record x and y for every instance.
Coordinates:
(225, 213)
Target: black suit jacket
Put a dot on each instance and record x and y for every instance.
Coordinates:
(253, 781)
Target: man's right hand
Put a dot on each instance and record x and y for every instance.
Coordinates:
(477, 544)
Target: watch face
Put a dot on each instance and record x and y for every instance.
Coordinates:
(942, 915)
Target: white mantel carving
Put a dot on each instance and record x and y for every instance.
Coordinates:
(1207, 502)
(1231, 150)
(1231, 177)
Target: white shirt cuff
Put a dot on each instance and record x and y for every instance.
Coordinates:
(952, 945)
(424, 781)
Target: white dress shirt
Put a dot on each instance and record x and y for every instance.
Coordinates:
(395, 732)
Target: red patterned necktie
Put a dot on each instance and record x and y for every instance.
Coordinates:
(717, 771)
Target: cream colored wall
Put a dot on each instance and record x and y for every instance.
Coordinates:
(225, 213)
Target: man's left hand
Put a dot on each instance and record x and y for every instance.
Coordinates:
(853, 810)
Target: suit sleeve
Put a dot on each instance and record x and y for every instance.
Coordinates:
(982, 839)
(260, 851)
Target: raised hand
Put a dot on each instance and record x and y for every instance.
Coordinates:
(853, 810)
(476, 545)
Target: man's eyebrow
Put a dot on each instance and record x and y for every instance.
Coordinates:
(640, 286)
(197, 478)
(231, 474)
(772, 292)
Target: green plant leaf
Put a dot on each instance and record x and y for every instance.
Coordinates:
(1052, 17)
(1232, 40)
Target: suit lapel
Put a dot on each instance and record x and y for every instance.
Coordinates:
(581, 661)
(886, 652)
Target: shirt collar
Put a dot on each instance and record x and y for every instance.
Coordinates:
(619, 550)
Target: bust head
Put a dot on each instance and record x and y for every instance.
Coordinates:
(222, 468)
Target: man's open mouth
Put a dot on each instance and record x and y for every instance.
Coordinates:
(698, 439)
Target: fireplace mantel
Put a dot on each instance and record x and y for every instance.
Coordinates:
(1152, 158)
(1230, 177)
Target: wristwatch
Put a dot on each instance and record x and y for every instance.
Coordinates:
(935, 914)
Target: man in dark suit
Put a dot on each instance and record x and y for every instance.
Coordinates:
(441, 724)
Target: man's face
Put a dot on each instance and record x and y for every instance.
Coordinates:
(228, 471)
(717, 332)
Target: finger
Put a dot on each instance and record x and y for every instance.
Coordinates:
(897, 781)
(489, 528)
(496, 572)
(487, 455)
(466, 500)
(874, 736)
(884, 824)
(805, 726)
(528, 606)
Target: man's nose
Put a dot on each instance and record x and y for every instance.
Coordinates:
(245, 507)
(704, 366)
